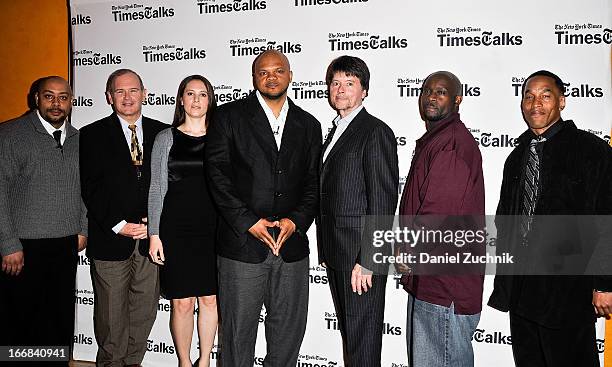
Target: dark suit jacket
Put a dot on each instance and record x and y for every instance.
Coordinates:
(250, 179)
(110, 187)
(359, 178)
(575, 176)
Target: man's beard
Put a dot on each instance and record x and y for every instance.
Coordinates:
(52, 119)
(275, 96)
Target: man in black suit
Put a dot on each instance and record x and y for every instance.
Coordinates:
(262, 158)
(115, 176)
(359, 180)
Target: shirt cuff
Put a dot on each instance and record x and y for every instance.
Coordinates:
(119, 226)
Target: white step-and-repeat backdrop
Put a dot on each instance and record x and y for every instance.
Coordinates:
(491, 45)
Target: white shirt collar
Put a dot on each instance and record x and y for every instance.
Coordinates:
(276, 124)
(138, 122)
(50, 129)
(348, 118)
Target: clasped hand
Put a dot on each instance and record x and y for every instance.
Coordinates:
(259, 230)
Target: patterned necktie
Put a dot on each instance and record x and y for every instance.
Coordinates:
(532, 180)
(328, 140)
(135, 149)
(57, 135)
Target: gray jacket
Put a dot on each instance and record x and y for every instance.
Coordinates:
(159, 178)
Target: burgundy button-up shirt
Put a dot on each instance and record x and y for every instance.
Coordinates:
(446, 179)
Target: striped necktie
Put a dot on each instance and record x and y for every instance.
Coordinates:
(532, 181)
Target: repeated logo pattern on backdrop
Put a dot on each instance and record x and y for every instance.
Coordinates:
(492, 46)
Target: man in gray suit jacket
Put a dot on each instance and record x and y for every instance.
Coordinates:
(358, 180)
(43, 221)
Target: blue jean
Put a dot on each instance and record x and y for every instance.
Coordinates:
(437, 337)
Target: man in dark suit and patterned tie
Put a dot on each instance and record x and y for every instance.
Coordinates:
(554, 206)
(358, 180)
(115, 176)
(262, 159)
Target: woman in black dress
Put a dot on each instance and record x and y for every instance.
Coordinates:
(182, 220)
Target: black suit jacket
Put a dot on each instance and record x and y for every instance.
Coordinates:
(359, 179)
(250, 179)
(575, 176)
(110, 187)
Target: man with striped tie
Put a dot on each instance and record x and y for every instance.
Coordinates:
(556, 169)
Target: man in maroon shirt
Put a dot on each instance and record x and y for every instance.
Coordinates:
(445, 180)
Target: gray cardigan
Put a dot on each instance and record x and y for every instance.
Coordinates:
(159, 178)
(40, 189)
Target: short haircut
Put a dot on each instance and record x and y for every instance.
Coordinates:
(42, 81)
(270, 52)
(351, 66)
(555, 77)
(450, 76)
(117, 73)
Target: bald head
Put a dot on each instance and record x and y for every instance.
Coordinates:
(270, 54)
(58, 80)
(272, 75)
(452, 80)
(441, 96)
(54, 100)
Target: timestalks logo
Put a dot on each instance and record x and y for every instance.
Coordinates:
(153, 99)
(411, 87)
(286, 47)
(135, 12)
(331, 323)
(82, 339)
(486, 139)
(80, 19)
(80, 101)
(227, 93)
(582, 34)
(496, 337)
(211, 7)
(600, 134)
(91, 58)
(82, 260)
(364, 41)
(583, 90)
(312, 89)
(484, 38)
(160, 347)
(310, 360)
(326, 2)
(167, 53)
(85, 301)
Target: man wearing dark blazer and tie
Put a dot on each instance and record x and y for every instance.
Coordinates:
(115, 176)
(358, 181)
(262, 160)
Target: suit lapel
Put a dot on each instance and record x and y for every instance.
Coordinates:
(261, 127)
(117, 135)
(346, 135)
(292, 133)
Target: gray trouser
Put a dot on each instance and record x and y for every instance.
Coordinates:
(125, 307)
(243, 288)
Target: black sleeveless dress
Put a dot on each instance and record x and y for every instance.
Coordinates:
(188, 223)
